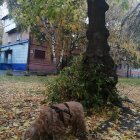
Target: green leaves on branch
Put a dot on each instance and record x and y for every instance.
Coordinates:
(63, 13)
(89, 86)
(123, 3)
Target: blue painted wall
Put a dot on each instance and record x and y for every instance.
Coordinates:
(4, 66)
(19, 56)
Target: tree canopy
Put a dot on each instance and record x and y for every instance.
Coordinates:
(66, 18)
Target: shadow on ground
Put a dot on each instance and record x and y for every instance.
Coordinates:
(126, 127)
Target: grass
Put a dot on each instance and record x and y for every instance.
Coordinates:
(130, 81)
(36, 79)
(45, 79)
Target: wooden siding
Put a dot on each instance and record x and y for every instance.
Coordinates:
(40, 65)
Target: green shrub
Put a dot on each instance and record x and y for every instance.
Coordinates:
(26, 73)
(9, 72)
(86, 84)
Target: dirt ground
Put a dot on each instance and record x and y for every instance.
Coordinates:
(21, 98)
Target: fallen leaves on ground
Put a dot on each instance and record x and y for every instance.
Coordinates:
(20, 103)
(19, 106)
(125, 125)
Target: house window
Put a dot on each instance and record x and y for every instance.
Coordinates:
(120, 66)
(8, 56)
(39, 54)
(18, 36)
(9, 39)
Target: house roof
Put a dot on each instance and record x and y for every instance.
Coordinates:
(13, 44)
(4, 17)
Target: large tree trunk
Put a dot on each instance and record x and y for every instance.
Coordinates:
(97, 52)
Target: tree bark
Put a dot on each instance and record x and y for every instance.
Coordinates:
(97, 52)
(51, 31)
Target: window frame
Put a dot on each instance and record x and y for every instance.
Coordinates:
(39, 54)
